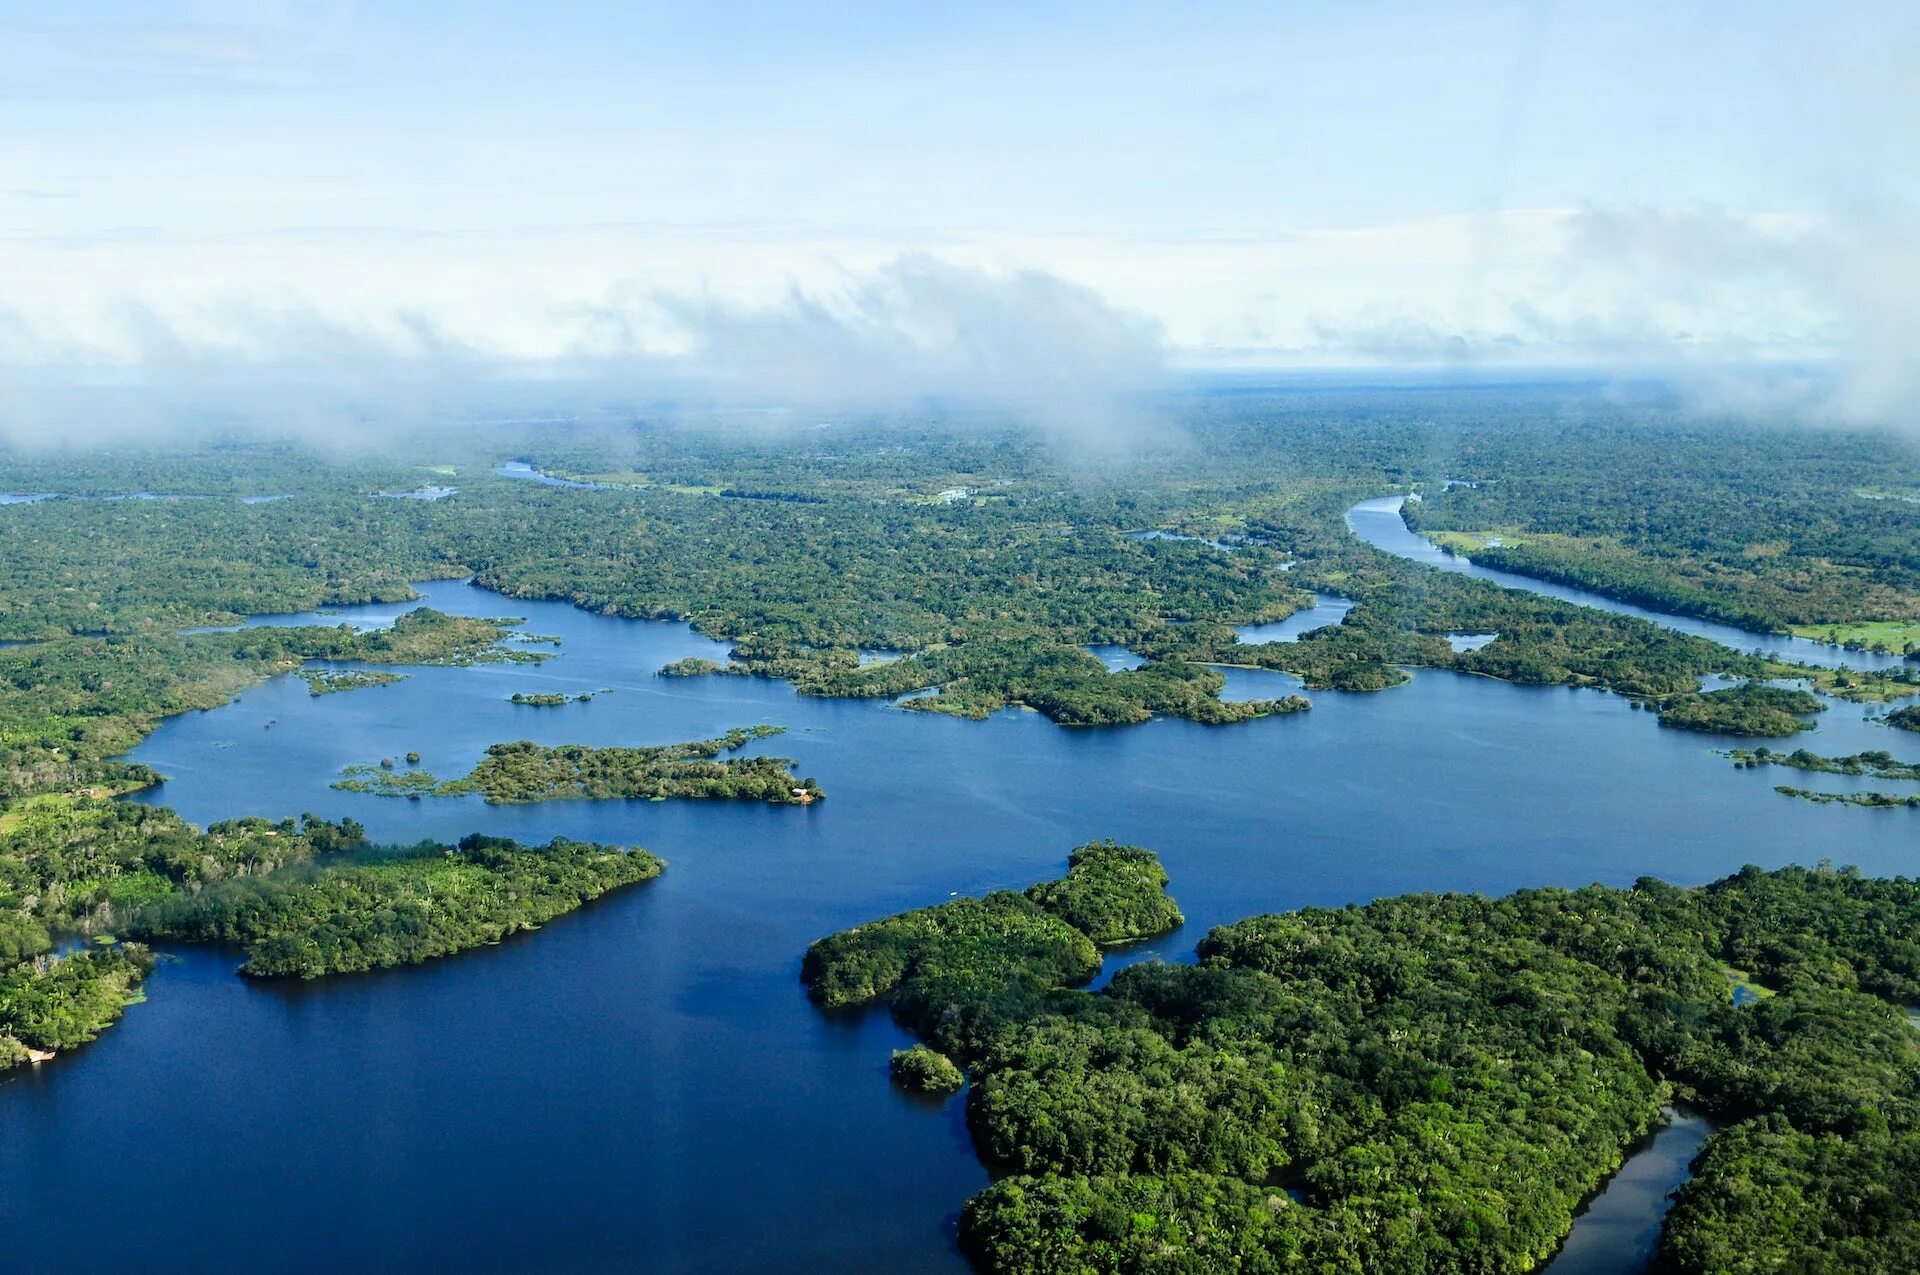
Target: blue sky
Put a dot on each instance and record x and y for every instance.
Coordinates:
(1258, 183)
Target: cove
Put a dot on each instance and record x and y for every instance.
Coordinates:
(644, 1085)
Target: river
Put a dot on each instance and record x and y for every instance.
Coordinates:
(644, 1085)
(1378, 522)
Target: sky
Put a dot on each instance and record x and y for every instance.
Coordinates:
(824, 197)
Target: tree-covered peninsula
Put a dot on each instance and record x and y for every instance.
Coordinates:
(379, 910)
(305, 897)
(523, 772)
(1429, 1083)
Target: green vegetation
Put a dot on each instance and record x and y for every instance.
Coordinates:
(52, 1003)
(69, 708)
(921, 1070)
(987, 560)
(960, 972)
(1888, 637)
(331, 681)
(1781, 540)
(527, 772)
(696, 666)
(548, 699)
(1905, 718)
(1439, 1079)
(1867, 800)
(1747, 709)
(86, 865)
(1112, 894)
(1877, 763)
(378, 911)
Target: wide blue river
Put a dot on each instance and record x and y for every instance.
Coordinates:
(644, 1085)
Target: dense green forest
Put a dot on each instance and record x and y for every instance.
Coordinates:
(1788, 529)
(1426, 1083)
(379, 910)
(526, 772)
(51, 1003)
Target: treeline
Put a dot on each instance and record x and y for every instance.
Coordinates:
(1426, 1083)
(382, 910)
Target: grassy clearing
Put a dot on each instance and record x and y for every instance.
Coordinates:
(1888, 636)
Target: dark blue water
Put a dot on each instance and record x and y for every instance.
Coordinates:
(644, 1085)
(1378, 522)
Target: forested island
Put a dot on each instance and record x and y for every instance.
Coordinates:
(1747, 709)
(548, 699)
(1427, 1083)
(322, 681)
(527, 772)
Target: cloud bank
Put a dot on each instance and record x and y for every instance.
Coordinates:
(1039, 351)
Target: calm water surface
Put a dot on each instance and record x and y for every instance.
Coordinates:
(644, 1085)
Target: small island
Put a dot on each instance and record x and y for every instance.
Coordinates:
(524, 772)
(1752, 708)
(1905, 718)
(322, 681)
(921, 1070)
(1865, 800)
(697, 666)
(548, 699)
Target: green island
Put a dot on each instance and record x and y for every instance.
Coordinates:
(1905, 718)
(523, 772)
(548, 699)
(1875, 762)
(332, 681)
(373, 910)
(1427, 1083)
(1865, 800)
(921, 1070)
(1748, 709)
